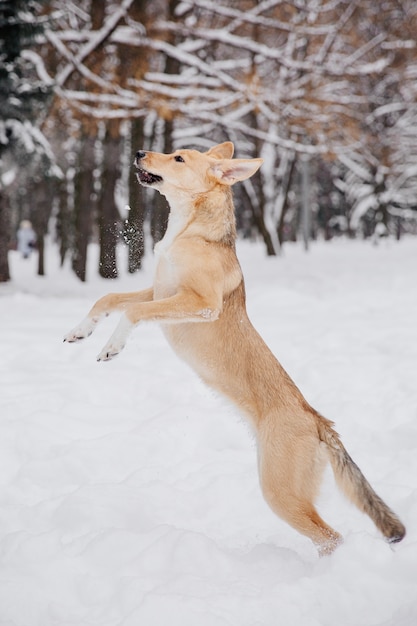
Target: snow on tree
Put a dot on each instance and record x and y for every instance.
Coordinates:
(24, 151)
(332, 80)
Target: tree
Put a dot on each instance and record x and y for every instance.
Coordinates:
(84, 197)
(334, 80)
(21, 143)
(96, 70)
(134, 226)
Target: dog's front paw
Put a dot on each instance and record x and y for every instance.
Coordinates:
(117, 341)
(81, 331)
(110, 350)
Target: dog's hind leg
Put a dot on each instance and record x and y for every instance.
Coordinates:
(102, 308)
(290, 473)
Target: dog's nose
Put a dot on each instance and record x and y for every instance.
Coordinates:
(140, 154)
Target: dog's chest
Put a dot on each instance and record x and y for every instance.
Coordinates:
(166, 275)
(166, 279)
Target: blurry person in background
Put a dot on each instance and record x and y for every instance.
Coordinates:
(26, 239)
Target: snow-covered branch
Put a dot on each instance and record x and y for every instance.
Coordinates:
(37, 61)
(95, 41)
(250, 16)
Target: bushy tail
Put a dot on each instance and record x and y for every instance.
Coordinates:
(355, 486)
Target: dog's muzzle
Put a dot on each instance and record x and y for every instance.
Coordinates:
(143, 176)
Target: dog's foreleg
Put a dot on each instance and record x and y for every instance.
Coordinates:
(102, 308)
(182, 307)
(118, 340)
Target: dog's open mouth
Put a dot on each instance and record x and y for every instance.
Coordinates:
(147, 178)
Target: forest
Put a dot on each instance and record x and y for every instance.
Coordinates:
(324, 90)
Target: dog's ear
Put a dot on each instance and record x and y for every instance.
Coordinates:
(231, 171)
(222, 150)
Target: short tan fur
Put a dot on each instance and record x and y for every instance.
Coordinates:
(198, 297)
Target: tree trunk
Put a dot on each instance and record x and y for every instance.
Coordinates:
(258, 219)
(305, 201)
(4, 238)
(286, 185)
(63, 227)
(42, 194)
(134, 225)
(257, 203)
(159, 218)
(83, 206)
(40, 243)
(109, 218)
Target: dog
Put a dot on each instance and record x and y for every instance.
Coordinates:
(198, 297)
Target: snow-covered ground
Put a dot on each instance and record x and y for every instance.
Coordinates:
(128, 490)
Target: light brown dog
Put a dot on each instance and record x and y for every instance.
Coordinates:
(199, 298)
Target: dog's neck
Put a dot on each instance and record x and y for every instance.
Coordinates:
(209, 216)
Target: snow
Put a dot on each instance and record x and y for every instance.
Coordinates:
(129, 492)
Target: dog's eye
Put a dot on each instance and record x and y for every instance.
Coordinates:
(179, 159)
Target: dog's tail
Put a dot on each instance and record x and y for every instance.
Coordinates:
(355, 486)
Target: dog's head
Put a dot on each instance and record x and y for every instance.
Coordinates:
(193, 172)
